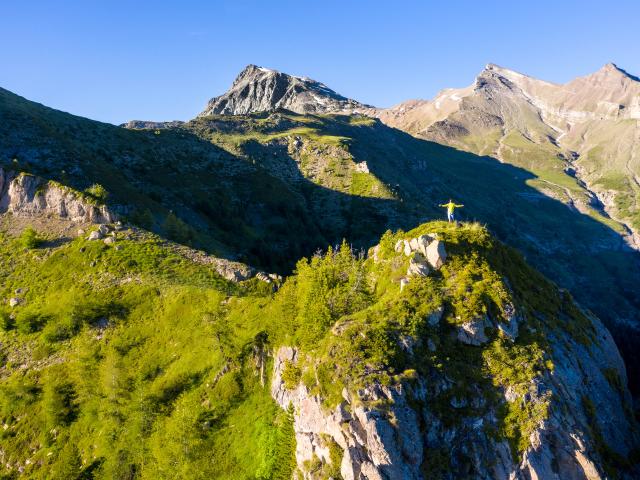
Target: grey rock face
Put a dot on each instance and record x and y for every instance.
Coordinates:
(374, 445)
(436, 254)
(26, 195)
(418, 266)
(472, 333)
(259, 89)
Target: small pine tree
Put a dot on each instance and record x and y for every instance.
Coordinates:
(144, 218)
(177, 230)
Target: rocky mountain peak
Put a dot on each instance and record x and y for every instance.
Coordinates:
(260, 89)
(611, 70)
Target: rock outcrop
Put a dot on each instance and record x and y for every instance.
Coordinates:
(374, 445)
(406, 437)
(426, 253)
(26, 195)
(259, 89)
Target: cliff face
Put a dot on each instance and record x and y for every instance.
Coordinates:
(571, 418)
(398, 442)
(26, 195)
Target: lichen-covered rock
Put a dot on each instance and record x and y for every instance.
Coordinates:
(435, 317)
(509, 327)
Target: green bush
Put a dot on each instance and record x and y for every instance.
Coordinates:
(30, 321)
(6, 322)
(97, 192)
(291, 375)
(30, 239)
(143, 218)
(61, 330)
(59, 399)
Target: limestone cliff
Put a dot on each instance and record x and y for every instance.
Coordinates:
(26, 195)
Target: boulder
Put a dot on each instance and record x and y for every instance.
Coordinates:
(404, 281)
(81, 232)
(109, 240)
(399, 246)
(472, 332)
(14, 301)
(103, 229)
(423, 243)
(374, 252)
(436, 254)
(407, 248)
(418, 266)
(413, 244)
(95, 235)
(275, 277)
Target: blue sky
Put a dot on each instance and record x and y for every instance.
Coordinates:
(120, 60)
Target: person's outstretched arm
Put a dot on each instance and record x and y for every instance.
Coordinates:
(458, 206)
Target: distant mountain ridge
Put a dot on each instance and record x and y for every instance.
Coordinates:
(580, 138)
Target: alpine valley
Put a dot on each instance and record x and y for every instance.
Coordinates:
(267, 291)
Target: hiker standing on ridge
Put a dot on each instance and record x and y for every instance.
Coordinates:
(450, 209)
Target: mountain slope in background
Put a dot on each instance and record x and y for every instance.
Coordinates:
(580, 138)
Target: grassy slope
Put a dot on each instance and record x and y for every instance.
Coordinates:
(134, 362)
(277, 187)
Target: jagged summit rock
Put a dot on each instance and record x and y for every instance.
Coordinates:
(259, 89)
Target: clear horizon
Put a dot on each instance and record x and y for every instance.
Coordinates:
(156, 61)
